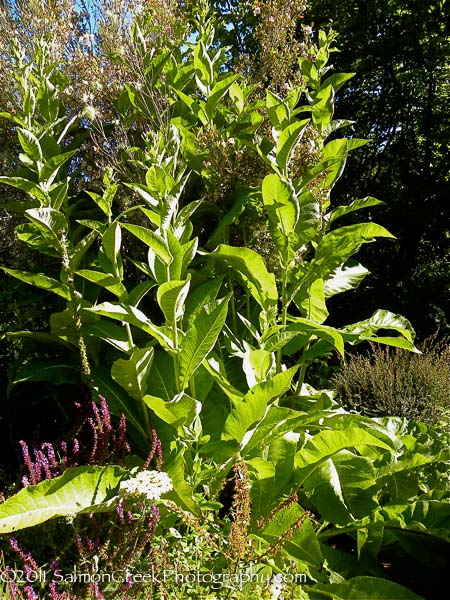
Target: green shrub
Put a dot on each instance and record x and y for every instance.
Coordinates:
(398, 383)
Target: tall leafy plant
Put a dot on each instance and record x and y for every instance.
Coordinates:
(213, 340)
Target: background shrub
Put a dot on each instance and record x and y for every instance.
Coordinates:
(396, 382)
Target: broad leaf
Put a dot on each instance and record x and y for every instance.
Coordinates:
(283, 210)
(327, 443)
(171, 297)
(251, 268)
(79, 489)
(252, 408)
(41, 281)
(344, 278)
(132, 373)
(200, 340)
(178, 412)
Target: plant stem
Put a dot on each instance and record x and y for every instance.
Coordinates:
(233, 305)
(301, 376)
(284, 308)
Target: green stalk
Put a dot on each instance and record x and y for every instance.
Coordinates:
(302, 373)
(233, 306)
(284, 309)
(176, 366)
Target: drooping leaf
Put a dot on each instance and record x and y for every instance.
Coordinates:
(382, 320)
(109, 282)
(250, 267)
(327, 443)
(54, 372)
(132, 315)
(109, 332)
(132, 373)
(79, 489)
(178, 412)
(344, 278)
(41, 281)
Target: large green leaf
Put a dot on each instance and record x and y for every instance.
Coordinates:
(79, 489)
(267, 490)
(111, 242)
(132, 373)
(161, 379)
(109, 332)
(53, 221)
(252, 408)
(338, 245)
(109, 282)
(338, 488)
(53, 371)
(171, 296)
(200, 340)
(41, 281)
(30, 144)
(287, 142)
(31, 187)
(309, 220)
(132, 315)
(327, 443)
(180, 411)
(382, 320)
(283, 210)
(202, 297)
(344, 278)
(340, 211)
(251, 268)
(153, 240)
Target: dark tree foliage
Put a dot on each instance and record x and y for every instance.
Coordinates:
(399, 100)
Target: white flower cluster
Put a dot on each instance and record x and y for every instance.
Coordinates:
(151, 484)
(276, 587)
